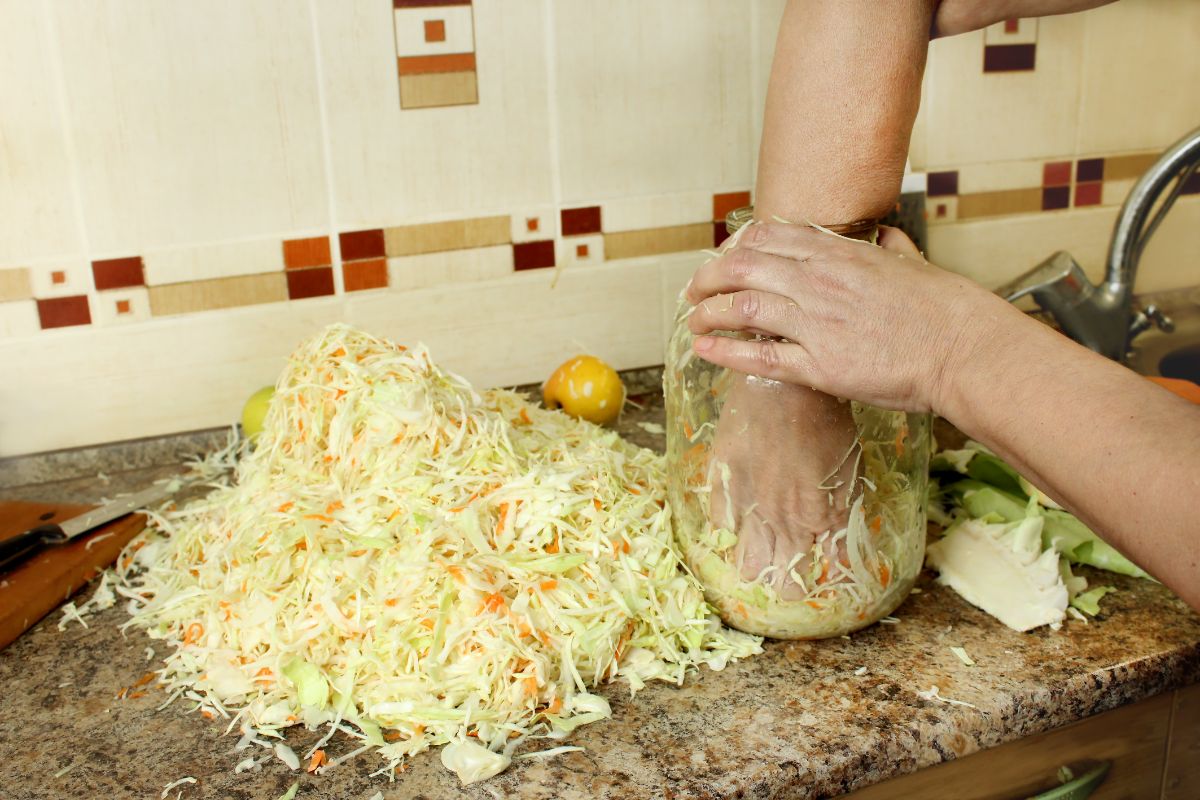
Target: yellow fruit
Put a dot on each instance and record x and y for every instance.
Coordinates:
(255, 411)
(587, 388)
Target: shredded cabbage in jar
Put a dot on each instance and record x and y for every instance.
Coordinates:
(415, 563)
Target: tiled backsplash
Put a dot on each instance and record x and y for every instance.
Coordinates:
(188, 189)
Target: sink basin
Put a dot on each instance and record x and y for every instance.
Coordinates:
(1172, 355)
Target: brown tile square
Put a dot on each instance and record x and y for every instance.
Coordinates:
(1012, 25)
(58, 277)
(999, 203)
(301, 253)
(1056, 173)
(1009, 57)
(940, 184)
(532, 224)
(15, 284)
(431, 65)
(720, 233)
(727, 201)
(62, 312)
(312, 282)
(941, 210)
(1119, 168)
(357, 245)
(435, 30)
(118, 273)
(123, 307)
(1055, 197)
(360, 275)
(576, 221)
(1088, 194)
(1089, 169)
(534, 255)
(581, 251)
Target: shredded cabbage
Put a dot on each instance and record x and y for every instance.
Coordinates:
(423, 562)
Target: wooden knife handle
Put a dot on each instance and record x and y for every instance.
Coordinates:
(16, 549)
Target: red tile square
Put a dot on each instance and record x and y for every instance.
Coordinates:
(533, 255)
(581, 251)
(1088, 194)
(941, 210)
(1009, 57)
(61, 312)
(435, 30)
(358, 245)
(123, 307)
(312, 282)
(728, 201)
(1056, 173)
(58, 277)
(1056, 197)
(118, 273)
(1012, 25)
(720, 233)
(361, 275)
(301, 253)
(576, 221)
(532, 224)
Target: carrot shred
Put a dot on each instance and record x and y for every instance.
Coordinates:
(135, 695)
(494, 602)
(336, 505)
(204, 712)
(555, 705)
(283, 508)
(548, 585)
(427, 623)
(876, 524)
(319, 517)
(193, 633)
(814, 604)
(503, 518)
(525, 417)
(318, 758)
(885, 575)
(531, 686)
(596, 502)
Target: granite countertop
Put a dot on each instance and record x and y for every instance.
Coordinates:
(805, 719)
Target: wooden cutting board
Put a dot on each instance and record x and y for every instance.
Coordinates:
(40, 584)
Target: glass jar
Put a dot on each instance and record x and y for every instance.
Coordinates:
(846, 576)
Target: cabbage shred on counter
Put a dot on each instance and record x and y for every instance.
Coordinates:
(418, 564)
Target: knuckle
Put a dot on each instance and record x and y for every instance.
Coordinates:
(741, 263)
(768, 356)
(748, 305)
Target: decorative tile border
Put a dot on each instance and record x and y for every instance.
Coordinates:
(1010, 46)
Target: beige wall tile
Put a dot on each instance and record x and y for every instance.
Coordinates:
(194, 122)
(656, 241)
(495, 333)
(1113, 193)
(121, 306)
(653, 98)
(19, 318)
(60, 279)
(450, 268)
(392, 165)
(206, 262)
(994, 251)
(1142, 67)
(993, 204)
(14, 284)
(1172, 258)
(458, 234)
(438, 89)
(941, 210)
(243, 290)
(999, 175)
(638, 213)
(972, 117)
(36, 184)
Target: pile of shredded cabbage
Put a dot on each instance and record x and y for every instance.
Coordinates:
(417, 564)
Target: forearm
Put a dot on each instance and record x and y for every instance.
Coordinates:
(843, 95)
(1117, 451)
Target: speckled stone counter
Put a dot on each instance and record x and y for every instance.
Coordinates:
(805, 719)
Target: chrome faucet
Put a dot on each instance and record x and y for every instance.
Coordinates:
(1104, 318)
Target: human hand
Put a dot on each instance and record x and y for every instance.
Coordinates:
(875, 324)
(960, 16)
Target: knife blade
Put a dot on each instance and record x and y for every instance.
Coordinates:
(16, 549)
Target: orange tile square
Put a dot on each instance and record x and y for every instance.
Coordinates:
(58, 277)
(368, 274)
(728, 201)
(531, 224)
(581, 251)
(123, 307)
(301, 253)
(435, 30)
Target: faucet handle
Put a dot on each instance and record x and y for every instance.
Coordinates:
(1150, 316)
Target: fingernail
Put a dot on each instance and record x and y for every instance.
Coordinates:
(702, 344)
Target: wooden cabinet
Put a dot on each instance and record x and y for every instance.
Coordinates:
(1153, 745)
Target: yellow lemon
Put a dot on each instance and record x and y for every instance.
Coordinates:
(587, 388)
(255, 411)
